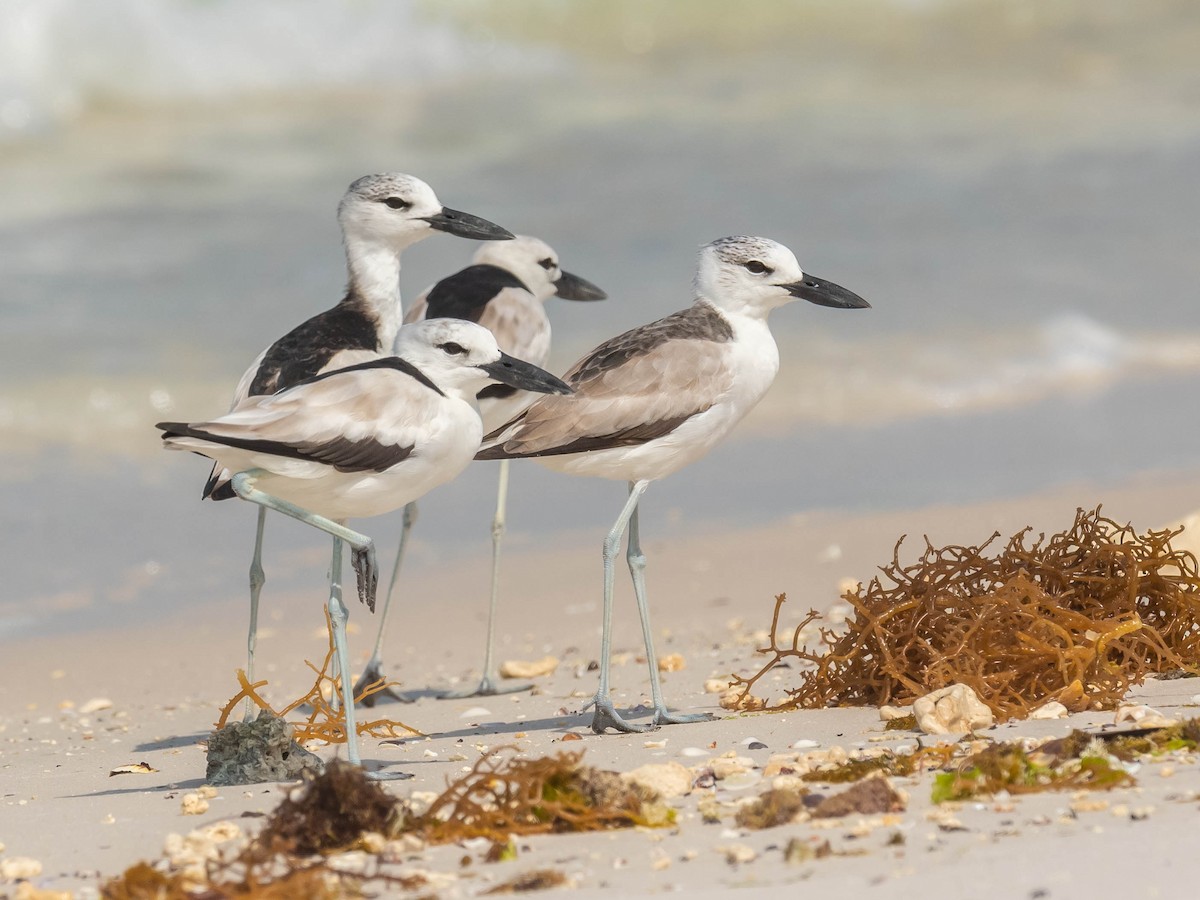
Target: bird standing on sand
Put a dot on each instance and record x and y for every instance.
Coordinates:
(380, 215)
(362, 441)
(648, 402)
(505, 290)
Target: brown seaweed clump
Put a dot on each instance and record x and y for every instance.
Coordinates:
(504, 795)
(333, 812)
(1078, 617)
(500, 797)
(1010, 767)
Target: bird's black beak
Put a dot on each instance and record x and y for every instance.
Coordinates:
(465, 225)
(572, 287)
(825, 293)
(525, 376)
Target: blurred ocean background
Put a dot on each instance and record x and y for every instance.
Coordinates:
(1014, 185)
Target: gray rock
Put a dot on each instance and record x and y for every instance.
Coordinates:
(258, 751)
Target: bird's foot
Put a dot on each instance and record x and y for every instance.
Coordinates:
(372, 674)
(388, 776)
(367, 570)
(487, 687)
(607, 717)
(663, 717)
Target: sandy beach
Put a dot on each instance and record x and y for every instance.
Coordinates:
(1005, 181)
(90, 703)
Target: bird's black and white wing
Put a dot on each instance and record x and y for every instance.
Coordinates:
(367, 417)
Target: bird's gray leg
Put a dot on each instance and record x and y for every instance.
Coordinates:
(363, 548)
(490, 684)
(338, 615)
(373, 671)
(606, 716)
(257, 579)
(637, 570)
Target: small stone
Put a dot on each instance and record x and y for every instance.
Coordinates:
(736, 700)
(193, 805)
(475, 712)
(804, 744)
(96, 704)
(570, 736)
(693, 751)
(724, 766)
(1050, 710)
(756, 745)
(888, 713)
(952, 710)
(738, 853)
(672, 662)
(716, 685)
(519, 668)
(1143, 716)
(20, 867)
(26, 891)
(669, 779)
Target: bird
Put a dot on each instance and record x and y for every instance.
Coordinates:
(361, 441)
(380, 215)
(504, 289)
(656, 398)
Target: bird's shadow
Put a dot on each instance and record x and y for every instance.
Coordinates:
(171, 743)
(190, 784)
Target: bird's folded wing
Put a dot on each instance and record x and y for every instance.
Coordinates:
(634, 398)
(366, 419)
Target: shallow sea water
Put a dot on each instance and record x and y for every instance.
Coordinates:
(1020, 208)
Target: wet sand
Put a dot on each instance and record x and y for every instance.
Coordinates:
(166, 682)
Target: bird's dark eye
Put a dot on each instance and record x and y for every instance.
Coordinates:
(757, 268)
(546, 263)
(397, 203)
(452, 348)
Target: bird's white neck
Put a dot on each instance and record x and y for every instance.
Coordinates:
(374, 269)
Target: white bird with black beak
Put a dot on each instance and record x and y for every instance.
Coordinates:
(505, 289)
(380, 215)
(648, 402)
(362, 441)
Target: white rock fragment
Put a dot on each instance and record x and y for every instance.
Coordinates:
(725, 766)
(193, 804)
(20, 868)
(1143, 716)
(475, 712)
(741, 780)
(669, 779)
(95, 705)
(890, 713)
(421, 801)
(693, 751)
(672, 662)
(952, 710)
(804, 744)
(1050, 710)
(519, 668)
